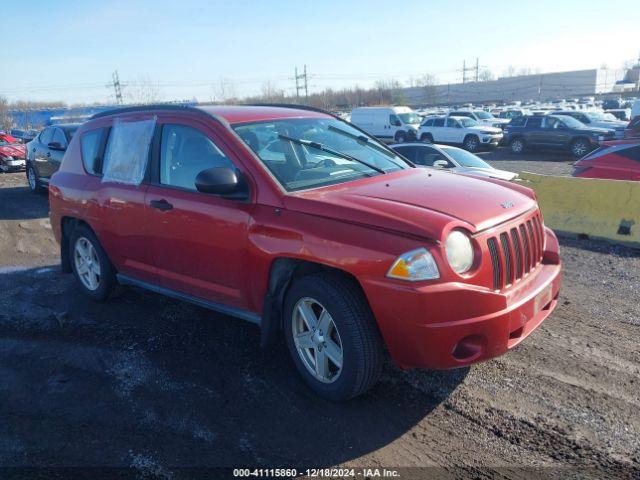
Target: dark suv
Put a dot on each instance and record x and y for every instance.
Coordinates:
(556, 132)
(45, 152)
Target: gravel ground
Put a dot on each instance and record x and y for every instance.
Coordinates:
(153, 385)
(546, 163)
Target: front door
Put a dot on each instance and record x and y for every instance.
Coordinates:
(41, 154)
(198, 240)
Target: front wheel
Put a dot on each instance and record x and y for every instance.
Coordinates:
(401, 137)
(471, 143)
(517, 145)
(332, 336)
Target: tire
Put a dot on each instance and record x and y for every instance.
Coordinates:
(400, 137)
(357, 335)
(426, 137)
(33, 181)
(580, 147)
(471, 143)
(517, 145)
(106, 286)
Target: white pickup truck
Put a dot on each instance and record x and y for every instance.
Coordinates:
(459, 131)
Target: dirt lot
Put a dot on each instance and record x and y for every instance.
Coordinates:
(155, 385)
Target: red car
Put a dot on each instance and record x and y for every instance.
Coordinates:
(619, 160)
(298, 221)
(12, 153)
(633, 129)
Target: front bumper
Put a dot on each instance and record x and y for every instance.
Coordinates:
(491, 139)
(15, 164)
(449, 325)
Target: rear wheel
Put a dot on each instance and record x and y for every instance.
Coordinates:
(517, 145)
(426, 137)
(91, 266)
(471, 143)
(33, 180)
(332, 336)
(580, 147)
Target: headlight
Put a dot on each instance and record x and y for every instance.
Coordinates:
(8, 157)
(459, 251)
(414, 266)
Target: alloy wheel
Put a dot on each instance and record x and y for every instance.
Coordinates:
(87, 263)
(317, 340)
(31, 178)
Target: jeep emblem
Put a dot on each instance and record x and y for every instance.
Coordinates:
(507, 204)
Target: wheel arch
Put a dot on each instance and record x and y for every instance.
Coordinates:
(282, 273)
(67, 225)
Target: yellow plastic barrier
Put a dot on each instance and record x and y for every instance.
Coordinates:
(604, 209)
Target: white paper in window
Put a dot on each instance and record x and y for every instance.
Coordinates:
(127, 154)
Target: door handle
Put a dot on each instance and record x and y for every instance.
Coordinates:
(162, 205)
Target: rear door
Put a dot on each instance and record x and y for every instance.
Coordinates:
(452, 131)
(535, 134)
(198, 241)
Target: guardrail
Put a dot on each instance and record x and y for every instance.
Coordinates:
(601, 209)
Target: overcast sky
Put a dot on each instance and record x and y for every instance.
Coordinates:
(67, 50)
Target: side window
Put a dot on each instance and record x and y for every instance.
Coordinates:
(632, 153)
(407, 152)
(426, 156)
(451, 123)
(517, 121)
(58, 136)
(428, 123)
(184, 153)
(534, 122)
(438, 122)
(394, 120)
(46, 136)
(89, 146)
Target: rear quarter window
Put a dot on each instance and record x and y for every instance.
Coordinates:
(90, 146)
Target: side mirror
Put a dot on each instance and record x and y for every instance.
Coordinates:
(56, 146)
(221, 181)
(440, 164)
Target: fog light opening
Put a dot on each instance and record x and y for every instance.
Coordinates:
(516, 333)
(469, 348)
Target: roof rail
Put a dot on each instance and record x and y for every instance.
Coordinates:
(291, 105)
(142, 108)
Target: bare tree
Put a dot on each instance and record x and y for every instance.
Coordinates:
(6, 122)
(143, 90)
(224, 91)
(485, 75)
(271, 93)
(510, 71)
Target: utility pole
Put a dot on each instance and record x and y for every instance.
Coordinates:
(301, 85)
(464, 71)
(477, 70)
(117, 87)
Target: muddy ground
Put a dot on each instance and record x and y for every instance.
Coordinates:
(154, 385)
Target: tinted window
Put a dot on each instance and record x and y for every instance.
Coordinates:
(59, 137)
(438, 122)
(393, 120)
(425, 156)
(518, 121)
(428, 123)
(184, 153)
(69, 132)
(534, 122)
(89, 145)
(406, 152)
(462, 114)
(46, 136)
(451, 123)
(632, 153)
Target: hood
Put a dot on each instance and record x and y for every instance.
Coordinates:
(487, 172)
(609, 125)
(486, 128)
(417, 201)
(17, 150)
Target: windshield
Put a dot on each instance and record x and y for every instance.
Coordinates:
(464, 158)
(482, 115)
(572, 122)
(468, 122)
(410, 118)
(306, 153)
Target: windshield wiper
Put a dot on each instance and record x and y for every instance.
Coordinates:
(324, 148)
(363, 140)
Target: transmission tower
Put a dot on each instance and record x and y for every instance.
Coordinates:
(117, 87)
(304, 85)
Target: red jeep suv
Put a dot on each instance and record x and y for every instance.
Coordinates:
(300, 222)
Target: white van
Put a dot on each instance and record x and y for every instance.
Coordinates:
(397, 123)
